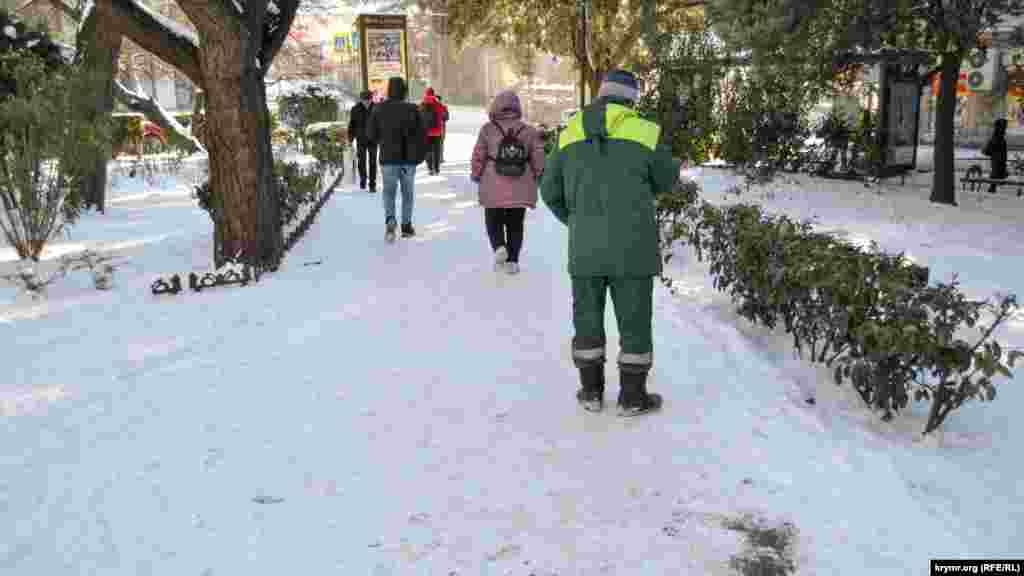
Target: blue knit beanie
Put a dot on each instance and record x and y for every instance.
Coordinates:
(620, 84)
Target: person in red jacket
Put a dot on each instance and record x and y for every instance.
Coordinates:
(435, 112)
(444, 125)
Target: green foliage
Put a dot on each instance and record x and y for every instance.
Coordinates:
(275, 121)
(25, 40)
(865, 141)
(126, 131)
(550, 136)
(744, 114)
(761, 30)
(550, 27)
(127, 135)
(673, 215)
(312, 104)
(823, 45)
(46, 147)
(834, 128)
(210, 202)
(869, 315)
(295, 188)
(328, 142)
(685, 64)
(763, 120)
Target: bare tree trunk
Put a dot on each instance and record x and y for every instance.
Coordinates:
(236, 47)
(944, 179)
(238, 140)
(100, 49)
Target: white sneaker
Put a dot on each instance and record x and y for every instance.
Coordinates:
(500, 256)
(512, 267)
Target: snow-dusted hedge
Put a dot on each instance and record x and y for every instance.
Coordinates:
(314, 103)
(872, 317)
(300, 188)
(307, 186)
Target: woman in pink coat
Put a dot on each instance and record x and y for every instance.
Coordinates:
(508, 161)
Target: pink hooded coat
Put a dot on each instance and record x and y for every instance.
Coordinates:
(501, 191)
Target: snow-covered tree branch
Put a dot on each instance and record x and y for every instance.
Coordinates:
(140, 102)
(159, 35)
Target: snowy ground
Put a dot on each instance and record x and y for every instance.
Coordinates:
(406, 410)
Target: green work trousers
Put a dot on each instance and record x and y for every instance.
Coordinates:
(632, 299)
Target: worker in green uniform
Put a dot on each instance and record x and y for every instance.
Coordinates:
(601, 181)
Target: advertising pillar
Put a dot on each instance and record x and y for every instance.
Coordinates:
(383, 50)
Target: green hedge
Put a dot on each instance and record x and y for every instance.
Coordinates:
(550, 137)
(871, 317)
(309, 106)
(296, 187)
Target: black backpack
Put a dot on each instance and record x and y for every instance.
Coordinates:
(429, 117)
(512, 156)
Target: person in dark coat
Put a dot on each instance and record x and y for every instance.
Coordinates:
(366, 149)
(601, 181)
(396, 128)
(996, 150)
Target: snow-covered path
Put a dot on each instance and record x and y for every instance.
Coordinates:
(403, 409)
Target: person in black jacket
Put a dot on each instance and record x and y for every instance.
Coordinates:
(996, 149)
(396, 128)
(366, 149)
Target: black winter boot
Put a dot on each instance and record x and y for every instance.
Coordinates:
(634, 399)
(591, 395)
(389, 230)
(408, 231)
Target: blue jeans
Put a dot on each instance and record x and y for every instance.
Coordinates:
(395, 174)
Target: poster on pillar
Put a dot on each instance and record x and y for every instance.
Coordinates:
(383, 52)
(385, 55)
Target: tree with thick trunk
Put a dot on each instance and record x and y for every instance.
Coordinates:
(228, 58)
(944, 180)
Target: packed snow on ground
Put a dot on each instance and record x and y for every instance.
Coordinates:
(403, 409)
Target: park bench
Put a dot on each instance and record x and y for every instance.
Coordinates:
(973, 181)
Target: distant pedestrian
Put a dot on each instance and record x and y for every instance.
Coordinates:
(365, 149)
(433, 112)
(444, 125)
(395, 126)
(996, 150)
(601, 181)
(508, 162)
